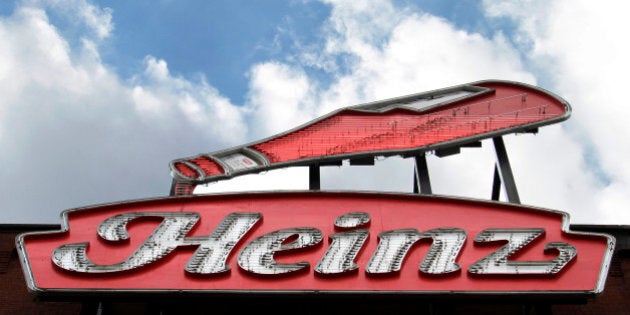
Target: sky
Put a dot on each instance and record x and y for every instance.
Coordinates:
(97, 97)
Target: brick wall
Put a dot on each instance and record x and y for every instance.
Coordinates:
(14, 296)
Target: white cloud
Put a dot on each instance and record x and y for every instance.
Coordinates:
(389, 52)
(551, 173)
(294, 178)
(422, 52)
(279, 97)
(418, 52)
(98, 21)
(409, 53)
(73, 134)
(175, 99)
(583, 48)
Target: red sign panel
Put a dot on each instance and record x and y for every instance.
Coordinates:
(324, 242)
(415, 123)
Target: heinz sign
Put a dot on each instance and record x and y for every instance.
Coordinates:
(315, 242)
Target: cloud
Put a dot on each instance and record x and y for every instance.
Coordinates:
(97, 21)
(72, 133)
(173, 100)
(280, 98)
(381, 51)
(582, 48)
(405, 53)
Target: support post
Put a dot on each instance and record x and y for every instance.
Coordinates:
(313, 177)
(496, 184)
(505, 171)
(421, 180)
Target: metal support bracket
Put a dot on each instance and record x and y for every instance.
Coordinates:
(313, 177)
(503, 173)
(421, 180)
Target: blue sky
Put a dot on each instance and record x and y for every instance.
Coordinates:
(218, 39)
(96, 97)
(203, 37)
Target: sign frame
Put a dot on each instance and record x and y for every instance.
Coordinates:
(22, 244)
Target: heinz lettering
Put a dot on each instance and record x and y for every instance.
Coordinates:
(257, 256)
(320, 242)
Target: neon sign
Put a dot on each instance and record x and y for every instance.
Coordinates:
(404, 125)
(316, 242)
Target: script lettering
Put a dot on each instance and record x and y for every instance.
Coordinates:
(340, 255)
(498, 263)
(210, 257)
(393, 247)
(257, 256)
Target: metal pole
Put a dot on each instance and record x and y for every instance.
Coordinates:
(505, 171)
(313, 177)
(421, 176)
(496, 184)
